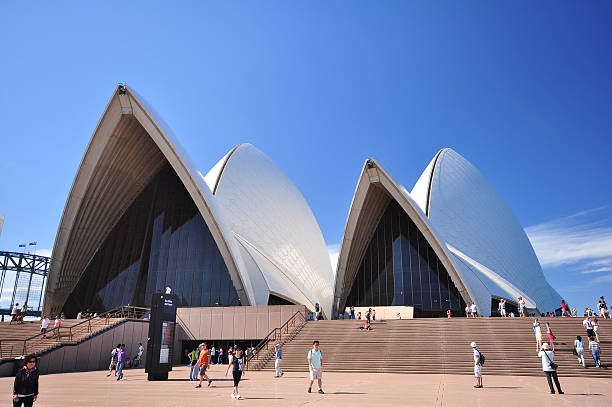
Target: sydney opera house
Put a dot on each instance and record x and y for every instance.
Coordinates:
(141, 217)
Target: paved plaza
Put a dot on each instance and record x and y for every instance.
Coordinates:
(342, 389)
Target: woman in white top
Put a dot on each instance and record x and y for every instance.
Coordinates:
(537, 331)
(596, 328)
(579, 348)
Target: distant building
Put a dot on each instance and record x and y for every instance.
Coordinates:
(452, 241)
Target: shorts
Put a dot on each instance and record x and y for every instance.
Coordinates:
(203, 369)
(596, 328)
(477, 371)
(316, 374)
(590, 332)
(237, 376)
(539, 337)
(112, 365)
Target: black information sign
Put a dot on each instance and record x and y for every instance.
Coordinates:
(160, 342)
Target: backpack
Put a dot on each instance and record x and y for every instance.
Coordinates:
(482, 358)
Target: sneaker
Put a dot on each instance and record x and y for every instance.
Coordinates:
(321, 391)
(237, 396)
(232, 395)
(198, 386)
(309, 390)
(209, 382)
(561, 392)
(552, 392)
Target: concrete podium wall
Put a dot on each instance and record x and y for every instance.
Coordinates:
(95, 352)
(229, 323)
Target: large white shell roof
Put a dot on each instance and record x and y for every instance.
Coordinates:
(482, 232)
(264, 228)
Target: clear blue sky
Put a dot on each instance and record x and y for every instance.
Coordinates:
(522, 90)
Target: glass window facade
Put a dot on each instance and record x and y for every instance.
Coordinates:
(161, 241)
(399, 267)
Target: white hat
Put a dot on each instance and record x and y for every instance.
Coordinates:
(278, 344)
(473, 344)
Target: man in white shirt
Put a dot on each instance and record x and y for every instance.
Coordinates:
(315, 366)
(588, 324)
(44, 325)
(473, 309)
(79, 315)
(14, 313)
(547, 360)
(502, 307)
(477, 366)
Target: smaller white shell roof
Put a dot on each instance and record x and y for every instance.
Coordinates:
(272, 230)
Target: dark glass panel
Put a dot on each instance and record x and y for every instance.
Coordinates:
(161, 240)
(399, 252)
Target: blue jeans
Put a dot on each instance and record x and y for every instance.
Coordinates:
(595, 354)
(193, 373)
(120, 369)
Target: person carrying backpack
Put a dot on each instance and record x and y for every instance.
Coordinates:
(479, 360)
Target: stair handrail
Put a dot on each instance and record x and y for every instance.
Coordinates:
(123, 311)
(272, 334)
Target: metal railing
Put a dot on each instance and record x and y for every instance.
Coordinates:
(59, 336)
(293, 324)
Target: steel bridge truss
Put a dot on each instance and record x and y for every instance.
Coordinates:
(26, 274)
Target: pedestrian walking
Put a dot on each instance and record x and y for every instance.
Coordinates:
(315, 366)
(579, 350)
(603, 308)
(204, 362)
(467, 311)
(369, 315)
(278, 357)
(478, 362)
(236, 362)
(596, 328)
(14, 313)
(220, 357)
(521, 304)
(551, 336)
(550, 368)
(537, 331)
(502, 308)
(113, 363)
(473, 310)
(44, 324)
(56, 327)
(121, 357)
(563, 308)
(574, 312)
(139, 355)
(352, 312)
(25, 386)
(448, 314)
(24, 311)
(373, 315)
(588, 324)
(194, 368)
(594, 348)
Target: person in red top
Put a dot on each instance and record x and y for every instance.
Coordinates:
(204, 361)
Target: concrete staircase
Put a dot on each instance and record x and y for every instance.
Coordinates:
(12, 337)
(440, 345)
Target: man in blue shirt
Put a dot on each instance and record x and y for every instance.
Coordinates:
(278, 356)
